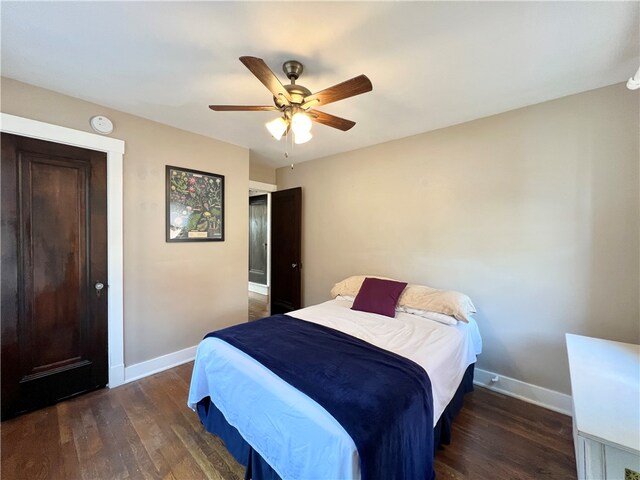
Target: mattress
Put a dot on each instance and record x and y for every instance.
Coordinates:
(288, 429)
(444, 351)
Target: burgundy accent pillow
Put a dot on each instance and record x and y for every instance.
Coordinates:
(378, 296)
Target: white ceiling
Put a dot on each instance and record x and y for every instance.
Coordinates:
(432, 64)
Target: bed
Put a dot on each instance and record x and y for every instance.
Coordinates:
(278, 430)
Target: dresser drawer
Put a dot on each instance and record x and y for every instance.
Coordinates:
(606, 407)
(620, 462)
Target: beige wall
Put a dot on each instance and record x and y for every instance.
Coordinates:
(174, 293)
(534, 213)
(259, 172)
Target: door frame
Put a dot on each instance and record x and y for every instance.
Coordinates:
(264, 189)
(114, 148)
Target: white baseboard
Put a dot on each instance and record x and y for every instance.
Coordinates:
(550, 399)
(258, 288)
(543, 397)
(116, 376)
(158, 364)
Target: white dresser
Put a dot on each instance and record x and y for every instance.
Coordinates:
(605, 386)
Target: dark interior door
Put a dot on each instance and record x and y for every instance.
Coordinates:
(286, 228)
(258, 239)
(54, 260)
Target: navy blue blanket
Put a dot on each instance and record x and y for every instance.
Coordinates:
(381, 399)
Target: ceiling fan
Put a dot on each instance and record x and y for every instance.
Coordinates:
(296, 102)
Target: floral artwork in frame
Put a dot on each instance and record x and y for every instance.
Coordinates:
(195, 205)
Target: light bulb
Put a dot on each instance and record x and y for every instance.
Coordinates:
(277, 127)
(302, 137)
(300, 123)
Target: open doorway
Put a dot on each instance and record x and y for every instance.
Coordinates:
(259, 268)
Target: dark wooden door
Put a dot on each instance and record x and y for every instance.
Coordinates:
(54, 253)
(286, 228)
(258, 239)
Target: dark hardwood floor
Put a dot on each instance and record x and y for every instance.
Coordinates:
(145, 430)
(258, 306)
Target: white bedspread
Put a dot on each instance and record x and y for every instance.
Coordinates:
(444, 351)
(287, 428)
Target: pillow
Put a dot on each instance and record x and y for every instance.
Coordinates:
(378, 296)
(419, 297)
(437, 317)
(349, 287)
(447, 302)
(348, 298)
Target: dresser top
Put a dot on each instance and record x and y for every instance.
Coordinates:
(605, 386)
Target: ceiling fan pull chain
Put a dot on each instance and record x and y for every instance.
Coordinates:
(286, 145)
(292, 147)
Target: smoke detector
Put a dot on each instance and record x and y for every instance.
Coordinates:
(101, 124)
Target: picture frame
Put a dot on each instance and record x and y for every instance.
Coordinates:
(194, 205)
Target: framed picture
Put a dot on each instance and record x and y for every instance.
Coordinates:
(195, 206)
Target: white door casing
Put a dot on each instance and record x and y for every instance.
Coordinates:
(265, 188)
(114, 149)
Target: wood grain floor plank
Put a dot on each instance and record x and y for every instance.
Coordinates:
(144, 430)
(213, 470)
(112, 422)
(31, 457)
(182, 465)
(172, 386)
(258, 306)
(70, 464)
(139, 463)
(141, 414)
(160, 390)
(46, 447)
(184, 373)
(17, 434)
(504, 436)
(171, 389)
(88, 442)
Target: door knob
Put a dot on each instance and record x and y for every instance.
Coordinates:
(294, 265)
(98, 286)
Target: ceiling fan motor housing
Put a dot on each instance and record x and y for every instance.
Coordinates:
(297, 93)
(292, 99)
(293, 69)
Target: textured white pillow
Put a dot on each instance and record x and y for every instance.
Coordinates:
(418, 297)
(349, 287)
(435, 316)
(447, 302)
(348, 298)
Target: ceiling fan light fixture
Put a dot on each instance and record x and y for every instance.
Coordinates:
(296, 102)
(277, 127)
(302, 137)
(300, 123)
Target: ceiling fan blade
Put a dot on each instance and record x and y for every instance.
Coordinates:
(242, 108)
(349, 88)
(266, 76)
(331, 120)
